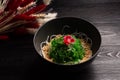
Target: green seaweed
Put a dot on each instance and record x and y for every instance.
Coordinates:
(62, 53)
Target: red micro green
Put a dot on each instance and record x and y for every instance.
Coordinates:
(68, 39)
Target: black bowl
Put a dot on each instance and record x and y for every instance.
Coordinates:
(68, 25)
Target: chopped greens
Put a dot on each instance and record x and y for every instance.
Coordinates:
(61, 52)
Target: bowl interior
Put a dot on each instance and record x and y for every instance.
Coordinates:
(67, 25)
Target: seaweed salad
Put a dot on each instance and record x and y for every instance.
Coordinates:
(66, 49)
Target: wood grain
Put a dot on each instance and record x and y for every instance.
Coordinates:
(106, 17)
(18, 56)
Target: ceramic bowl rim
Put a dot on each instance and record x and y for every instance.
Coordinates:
(93, 56)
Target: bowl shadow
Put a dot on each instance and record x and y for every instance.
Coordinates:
(42, 71)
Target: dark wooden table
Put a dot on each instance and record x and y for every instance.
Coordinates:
(20, 61)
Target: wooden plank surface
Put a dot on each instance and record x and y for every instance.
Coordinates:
(16, 56)
(106, 17)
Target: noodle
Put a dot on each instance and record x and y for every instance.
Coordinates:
(85, 45)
